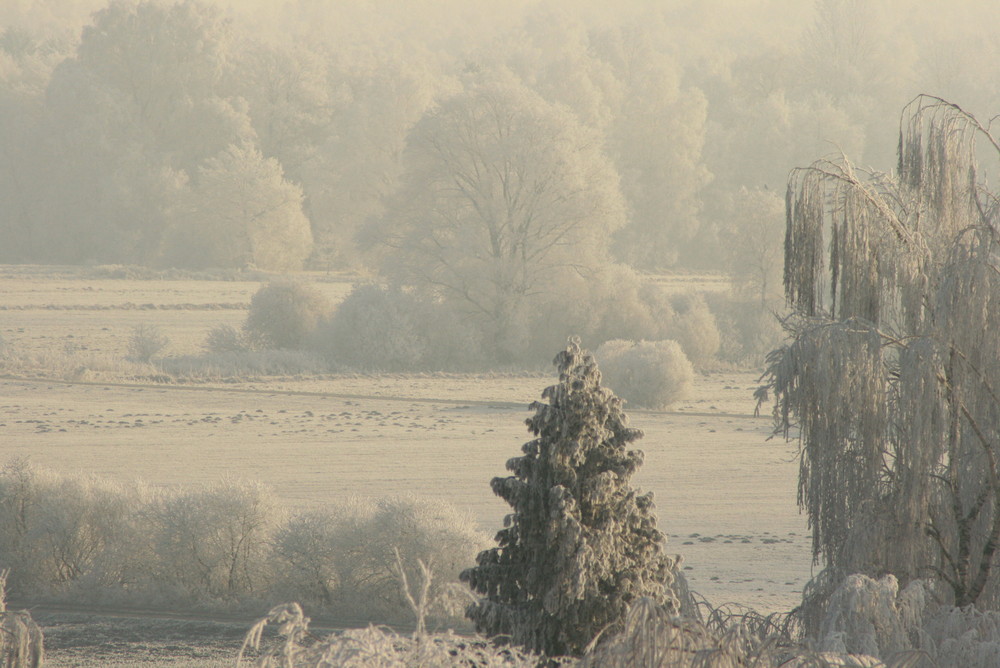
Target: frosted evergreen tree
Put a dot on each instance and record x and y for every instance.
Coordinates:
(581, 543)
(892, 376)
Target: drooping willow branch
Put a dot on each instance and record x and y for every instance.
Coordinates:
(889, 377)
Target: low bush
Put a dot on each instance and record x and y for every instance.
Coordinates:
(377, 328)
(145, 342)
(284, 314)
(212, 542)
(225, 546)
(344, 558)
(652, 374)
(226, 339)
(694, 328)
(60, 532)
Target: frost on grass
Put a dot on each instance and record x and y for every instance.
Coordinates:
(580, 544)
(371, 646)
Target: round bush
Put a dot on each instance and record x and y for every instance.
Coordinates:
(387, 329)
(374, 328)
(284, 314)
(652, 374)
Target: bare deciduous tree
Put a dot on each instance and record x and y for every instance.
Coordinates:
(502, 195)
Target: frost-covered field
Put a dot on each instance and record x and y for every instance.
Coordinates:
(725, 493)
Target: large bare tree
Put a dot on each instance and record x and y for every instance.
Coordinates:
(503, 193)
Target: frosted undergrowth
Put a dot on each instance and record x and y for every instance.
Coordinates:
(372, 646)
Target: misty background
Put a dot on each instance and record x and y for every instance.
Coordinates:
(490, 155)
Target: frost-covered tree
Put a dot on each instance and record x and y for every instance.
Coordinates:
(581, 543)
(243, 212)
(890, 380)
(285, 313)
(503, 195)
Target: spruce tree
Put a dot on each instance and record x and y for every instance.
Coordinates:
(581, 543)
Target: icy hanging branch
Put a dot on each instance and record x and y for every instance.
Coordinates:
(895, 356)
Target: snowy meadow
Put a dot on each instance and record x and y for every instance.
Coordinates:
(305, 445)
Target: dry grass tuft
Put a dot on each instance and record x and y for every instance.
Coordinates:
(21, 641)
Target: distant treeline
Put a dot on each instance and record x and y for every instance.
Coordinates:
(223, 135)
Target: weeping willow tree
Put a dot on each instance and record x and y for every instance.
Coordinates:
(891, 378)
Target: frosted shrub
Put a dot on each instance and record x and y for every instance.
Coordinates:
(145, 342)
(285, 313)
(19, 495)
(653, 374)
(377, 328)
(213, 541)
(694, 328)
(227, 544)
(868, 616)
(962, 637)
(77, 523)
(226, 339)
(305, 557)
(374, 328)
(60, 531)
(345, 558)
(428, 531)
